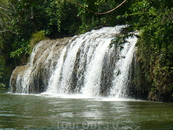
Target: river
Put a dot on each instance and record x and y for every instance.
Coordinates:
(41, 111)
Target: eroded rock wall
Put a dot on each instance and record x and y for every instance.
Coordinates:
(37, 72)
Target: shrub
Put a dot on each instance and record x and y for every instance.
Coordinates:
(37, 37)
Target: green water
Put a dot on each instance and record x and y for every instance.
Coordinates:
(46, 112)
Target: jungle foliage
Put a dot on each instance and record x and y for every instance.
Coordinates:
(20, 20)
(155, 47)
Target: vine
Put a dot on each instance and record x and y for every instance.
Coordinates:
(98, 12)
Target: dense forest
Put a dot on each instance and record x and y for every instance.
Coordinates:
(23, 23)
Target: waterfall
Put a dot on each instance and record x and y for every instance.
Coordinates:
(84, 64)
(121, 71)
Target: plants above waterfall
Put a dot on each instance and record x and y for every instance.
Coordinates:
(37, 37)
(122, 37)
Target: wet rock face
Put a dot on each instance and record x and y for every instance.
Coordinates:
(37, 71)
(141, 86)
(138, 85)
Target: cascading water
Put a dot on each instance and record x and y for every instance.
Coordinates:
(121, 71)
(84, 64)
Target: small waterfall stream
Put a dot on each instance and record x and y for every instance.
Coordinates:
(84, 64)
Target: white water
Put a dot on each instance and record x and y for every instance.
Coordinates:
(94, 69)
(53, 82)
(121, 71)
(93, 46)
(85, 67)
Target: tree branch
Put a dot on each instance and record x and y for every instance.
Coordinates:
(97, 12)
(7, 30)
(13, 7)
(5, 9)
(1, 53)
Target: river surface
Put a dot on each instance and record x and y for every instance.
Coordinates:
(43, 111)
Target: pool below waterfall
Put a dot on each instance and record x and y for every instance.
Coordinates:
(72, 112)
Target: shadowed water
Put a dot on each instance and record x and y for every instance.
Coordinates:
(74, 112)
